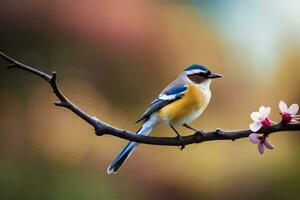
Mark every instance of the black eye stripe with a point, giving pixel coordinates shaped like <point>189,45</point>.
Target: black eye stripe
<point>197,78</point>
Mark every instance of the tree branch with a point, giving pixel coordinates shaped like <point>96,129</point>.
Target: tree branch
<point>101,128</point>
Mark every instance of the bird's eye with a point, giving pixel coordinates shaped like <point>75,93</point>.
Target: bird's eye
<point>197,78</point>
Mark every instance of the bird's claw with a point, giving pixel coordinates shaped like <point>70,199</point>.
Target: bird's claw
<point>179,137</point>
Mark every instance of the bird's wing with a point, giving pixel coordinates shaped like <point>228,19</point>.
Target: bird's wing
<point>166,97</point>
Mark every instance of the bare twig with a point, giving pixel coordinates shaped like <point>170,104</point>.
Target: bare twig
<point>102,128</point>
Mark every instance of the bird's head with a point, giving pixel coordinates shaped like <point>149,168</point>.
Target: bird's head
<point>200,75</point>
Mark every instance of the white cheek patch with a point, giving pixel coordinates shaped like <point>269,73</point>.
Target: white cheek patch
<point>205,85</point>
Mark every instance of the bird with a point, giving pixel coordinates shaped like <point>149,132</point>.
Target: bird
<point>180,103</point>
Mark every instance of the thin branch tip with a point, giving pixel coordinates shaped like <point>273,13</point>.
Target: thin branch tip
<point>60,104</point>
<point>53,77</point>
<point>10,66</point>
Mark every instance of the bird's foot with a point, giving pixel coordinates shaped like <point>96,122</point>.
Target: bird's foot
<point>179,137</point>
<point>189,127</point>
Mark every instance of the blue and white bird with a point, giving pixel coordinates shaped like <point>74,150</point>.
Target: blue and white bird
<point>180,103</point>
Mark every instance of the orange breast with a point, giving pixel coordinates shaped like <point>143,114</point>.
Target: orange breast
<point>191,101</point>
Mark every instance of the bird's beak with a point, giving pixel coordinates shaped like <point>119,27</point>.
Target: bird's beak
<point>213,75</point>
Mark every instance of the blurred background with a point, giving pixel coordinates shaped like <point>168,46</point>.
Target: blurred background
<point>112,59</point>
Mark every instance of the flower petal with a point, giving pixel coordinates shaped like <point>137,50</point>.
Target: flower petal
<point>262,109</point>
<point>283,107</point>
<point>268,144</point>
<point>293,109</point>
<point>255,116</point>
<point>255,126</point>
<point>254,138</point>
<point>266,112</point>
<point>261,148</point>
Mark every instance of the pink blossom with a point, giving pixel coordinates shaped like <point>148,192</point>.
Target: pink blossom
<point>262,142</point>
<point>260,119</point>
<point>288,113</point>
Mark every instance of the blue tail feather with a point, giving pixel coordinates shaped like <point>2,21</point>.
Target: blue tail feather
<point>121,157</point>
<point>128,149</point>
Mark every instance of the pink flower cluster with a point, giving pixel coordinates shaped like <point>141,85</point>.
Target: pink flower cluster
<point>261,119</point>
<point>262,142</point>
